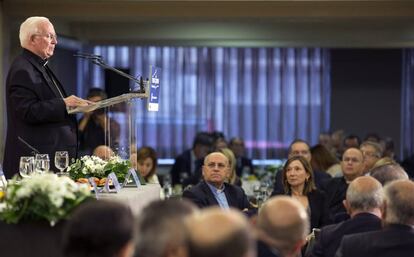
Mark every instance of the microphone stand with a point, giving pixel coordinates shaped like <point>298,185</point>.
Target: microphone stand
<point>97,59</point>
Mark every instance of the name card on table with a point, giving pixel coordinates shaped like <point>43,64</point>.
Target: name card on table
<point>135,178</point>
<point>112,177</point>
<point>94,186</point>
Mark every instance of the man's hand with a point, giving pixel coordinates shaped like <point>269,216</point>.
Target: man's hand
<point>74,101</point>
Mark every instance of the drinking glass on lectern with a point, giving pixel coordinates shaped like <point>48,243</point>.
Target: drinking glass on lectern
<point>42,163</point>
<point>26,166</point>
<point>61,161</point>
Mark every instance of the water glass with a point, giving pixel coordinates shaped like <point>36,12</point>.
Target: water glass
<point>42,163</point>
<point>61,161</point>
<point>26,166</point>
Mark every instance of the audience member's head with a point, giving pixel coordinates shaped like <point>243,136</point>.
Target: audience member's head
<point>104,152</point>
<point>301,148</point>
<point>372,152</point>
<point>283,224</point>
<point>220,143</point>
<point>364,194</point>
<point>352,164</point>
<point>351,141</point>
<point>216,169</point>
<point>373,137</point>
<point>236,144</point>
<point>399,202</point>
<point>337,138</point>
<point>99,229</point>
<point>161,229</point>
<point>232,165</point>
<point>96,94</point>
<point>325,140</point>
<point>389,148</point>
<point>146,161</point>
<point>322,159</point>
<point>297,173</point>
<point>388,172</point>
<point>214,232</point>
<point>202,144</point>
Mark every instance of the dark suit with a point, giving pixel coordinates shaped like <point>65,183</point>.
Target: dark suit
<point>202,196</point>
<point>263,250</point>
<point>244,162</point>
<point>330,236</point>
<point>335,190</point>
<point>181,171</point>
<point>36,112</point>
<point>393,241</point>
<point>318,205</point>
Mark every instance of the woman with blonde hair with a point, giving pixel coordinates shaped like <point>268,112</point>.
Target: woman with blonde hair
<point>232,178</point>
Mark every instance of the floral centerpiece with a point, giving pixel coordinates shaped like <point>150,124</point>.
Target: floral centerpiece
<point>41,197</point>
<point>93,166</point>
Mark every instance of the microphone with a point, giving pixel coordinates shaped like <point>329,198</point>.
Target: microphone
<point>34,150</point>
<point>88,56</point>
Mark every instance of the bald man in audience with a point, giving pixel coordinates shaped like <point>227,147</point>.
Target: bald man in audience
<point>213,190</point>
<point>389,172</point>
<point>282,227</point>
<point>397,236</point>
<point>352,165</point>
<point>217,233</point>
<point>104,152</point>
<point>364,199</point>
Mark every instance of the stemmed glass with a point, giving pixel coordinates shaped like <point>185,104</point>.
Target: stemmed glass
<point>26,166</point>
<point>42,163</point>
<point>61,161</point>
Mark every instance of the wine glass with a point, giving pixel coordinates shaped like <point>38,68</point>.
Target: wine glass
<point>26,166</point>
<point>42,163</point>
<point>61,161</point>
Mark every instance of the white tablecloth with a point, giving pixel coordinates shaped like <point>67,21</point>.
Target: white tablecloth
<point>135,198</point>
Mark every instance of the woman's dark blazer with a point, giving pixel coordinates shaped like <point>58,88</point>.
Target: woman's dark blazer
<point>319,212</point>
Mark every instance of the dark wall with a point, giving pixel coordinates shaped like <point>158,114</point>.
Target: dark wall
<point>366,92</point>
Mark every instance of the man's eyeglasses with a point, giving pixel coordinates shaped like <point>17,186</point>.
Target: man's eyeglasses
<point>49,36</point>
<point>219,165</point>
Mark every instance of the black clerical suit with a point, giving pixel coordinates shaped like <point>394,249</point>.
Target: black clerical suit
<point>36,112</point>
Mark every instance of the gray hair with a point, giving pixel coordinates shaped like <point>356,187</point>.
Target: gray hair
<point>389,172</point>
<point>30,27</point>
<point>379,150</point>
<point>399,198</point>
<point>365,194</point>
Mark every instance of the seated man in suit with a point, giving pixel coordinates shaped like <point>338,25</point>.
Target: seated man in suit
<point>217,233</point>
<point>364,199</point>
<point>244,165</point>
<point>213,190</point>
<point>282,226</point>
<point>352,165</point>
<point>186,168</point>
<point>397,236</point>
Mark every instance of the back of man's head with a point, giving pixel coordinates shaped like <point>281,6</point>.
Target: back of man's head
<point>283,224</point>
<point>389,172</point>
<point>399,202</point>
<point>364,194</point>
<point>161,227</point>
<point>215,232</point>
<point>99,229</point>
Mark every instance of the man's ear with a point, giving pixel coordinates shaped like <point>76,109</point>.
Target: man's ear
<point>127,250</point>
<point>347,206</point>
